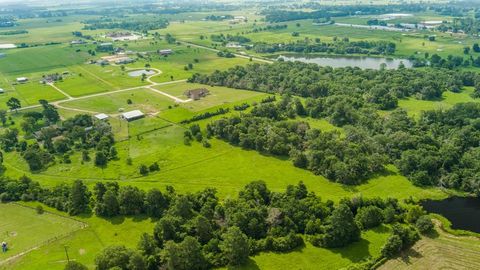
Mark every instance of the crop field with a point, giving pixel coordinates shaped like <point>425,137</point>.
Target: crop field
<point>24,229</point>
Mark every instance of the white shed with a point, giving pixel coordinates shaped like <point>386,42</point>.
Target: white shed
<point>101,116</point>
<point>132,115</point>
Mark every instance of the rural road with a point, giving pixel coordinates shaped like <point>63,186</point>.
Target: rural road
<point>236,54</point>
<point>150,87</point>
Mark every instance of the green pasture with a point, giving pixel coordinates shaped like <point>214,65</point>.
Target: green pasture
<point>218,95</point>
<point>415,106</point>
<point>23,229</point>
<point>83,244</point>
<point>90,79</point>
<point>142,99</point>
<point>32,92</point>
<point>23,62</point>
<point>313,258</point>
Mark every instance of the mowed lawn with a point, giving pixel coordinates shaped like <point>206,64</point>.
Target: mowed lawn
<point>218,95</point>
<point>30,93</point>
<point>90,79</point>
<point>22,228</point>
<point>142,99</point>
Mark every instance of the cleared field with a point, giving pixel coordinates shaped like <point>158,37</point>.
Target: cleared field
<point>218,95</point>
<point>22,62</point>
<point>141,99</point>
<point>442,251</point>
<point>84,244</point>
<point>193,168</point>
<point>23,229</point>
<point>414,106</point>
<point>173,66</point>
<point>32,92</point>
<point>311,257</point>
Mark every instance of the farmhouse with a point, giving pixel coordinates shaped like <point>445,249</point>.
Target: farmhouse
<point>124,60</point>
<point>196,94</point>
<point>101,116</point>
<point>22,80</point>
<point>132,115</point>
<point>50,78</point>
<point>165,52</point>
<point>77,42</point>
<point>105,47</point>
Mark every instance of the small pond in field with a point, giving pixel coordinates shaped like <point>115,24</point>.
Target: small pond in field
<point>138,73</point>
<point>463,212</point>
<point>363,62</point>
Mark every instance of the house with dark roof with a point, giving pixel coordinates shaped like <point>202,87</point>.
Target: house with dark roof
<point>198,93</point>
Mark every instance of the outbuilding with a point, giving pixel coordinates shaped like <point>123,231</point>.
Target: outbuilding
<point>2,91</point>
<point>132,115</point>
<point>22,80</point>
<point>101,116</point>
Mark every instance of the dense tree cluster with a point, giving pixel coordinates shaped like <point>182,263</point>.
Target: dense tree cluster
<point>229,38</point>
<point>219,17</point>
<point>381,87</point>
<point>337,47</point>
<point>278,15</point>
<point>198,231</point>
<point>440,148</point>
<point>132,25</point>
<point>266,130</point>
<point>55,139</point>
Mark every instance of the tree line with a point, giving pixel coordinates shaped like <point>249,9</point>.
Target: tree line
<point>199,231</point>
<point>343,46</point>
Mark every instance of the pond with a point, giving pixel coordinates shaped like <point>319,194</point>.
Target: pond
<point>138,73</point>
<point>463,212</point>
<point>349,61</point>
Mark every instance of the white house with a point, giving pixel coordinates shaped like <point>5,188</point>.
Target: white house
<point>132,115</point>
<point>2,91</point>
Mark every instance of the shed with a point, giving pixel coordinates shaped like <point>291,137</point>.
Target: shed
<point>132,115</point>
<point>165,52</point>
<point>2,91</point>
<point>22,79</point>
<point>101,116</point>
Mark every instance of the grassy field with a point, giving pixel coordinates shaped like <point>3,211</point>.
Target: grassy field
<point>142,99</point>
<point>414,106</point>
<point>23,229</point>
<point>310,257</point>
<point>440,251</point>
<point>83,244</point>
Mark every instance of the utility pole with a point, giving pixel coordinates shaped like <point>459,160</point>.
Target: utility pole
<point>66,253</point>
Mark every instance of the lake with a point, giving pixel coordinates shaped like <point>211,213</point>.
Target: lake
<point>463,212</point>
<point>349,61</point>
